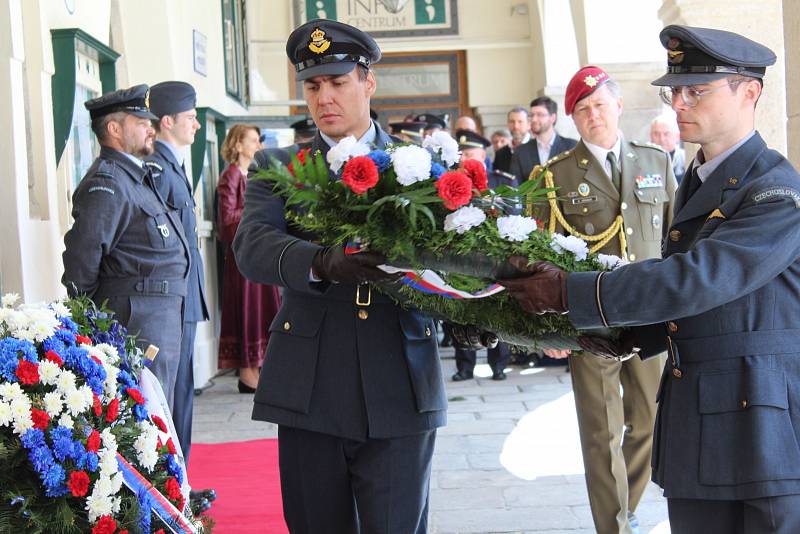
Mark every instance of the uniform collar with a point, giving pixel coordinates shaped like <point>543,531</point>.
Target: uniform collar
<point>601,153</point>
<point>705,168</point>
<point>131,164</point>
<point>178,154</point>
<point>138,162</point>
<point>368,138</point>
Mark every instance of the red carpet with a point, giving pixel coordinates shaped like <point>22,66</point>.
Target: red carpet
<point>245,475</point>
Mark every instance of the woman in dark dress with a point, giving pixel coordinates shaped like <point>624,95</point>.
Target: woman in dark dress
<point>247,308</point>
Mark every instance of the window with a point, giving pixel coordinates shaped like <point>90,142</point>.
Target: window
<point>234,37</point>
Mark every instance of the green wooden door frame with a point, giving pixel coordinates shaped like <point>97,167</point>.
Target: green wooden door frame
<point>199,145</point>
<point>65,43</point>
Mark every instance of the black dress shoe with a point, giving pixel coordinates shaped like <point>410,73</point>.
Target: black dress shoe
<point>199,506</point>
<point>209,494</point>
<point>462,375</point>
<point>499,375</point>
<point>244,388</point>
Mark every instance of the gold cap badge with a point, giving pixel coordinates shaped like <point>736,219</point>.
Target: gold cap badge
<point>590,81</point>
<point>318,44</point>
<point>147,100</point>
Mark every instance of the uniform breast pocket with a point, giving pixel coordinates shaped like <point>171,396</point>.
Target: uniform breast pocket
<point>419,344</point>
<point>652,207</point>
<point>159,229</point>
<point>747,432</point>
<point>583,206</point>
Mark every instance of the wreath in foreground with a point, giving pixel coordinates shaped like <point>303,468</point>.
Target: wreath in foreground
<point>442,226</point>
<point>79,450</point>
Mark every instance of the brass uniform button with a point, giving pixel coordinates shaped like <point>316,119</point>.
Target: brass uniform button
<point>733,181</point>
<point>287,325</point>
<point>744,404</point>
<point>428,331</point>
<point>629,231</point>
<point>585,210</point>
<point>363,314</point>
<point>624,206</point>
<point>675,235</point>
<point>673,326</point>
<point>677,373</point>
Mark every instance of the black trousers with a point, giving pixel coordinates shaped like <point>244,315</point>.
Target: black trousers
<point>337,485</point>
<point>183,402</point>
<point>776,515</point>
<point>497,358</point>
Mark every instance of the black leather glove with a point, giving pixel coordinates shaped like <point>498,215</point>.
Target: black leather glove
<point>543,291</point>
<point>470,337</point>
<point>333,265</point>
<point>619,350</point>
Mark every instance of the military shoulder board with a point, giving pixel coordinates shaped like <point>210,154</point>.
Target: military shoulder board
<point>558,157</point>
<point>647,144</point>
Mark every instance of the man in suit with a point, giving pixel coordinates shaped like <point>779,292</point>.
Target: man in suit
<point>174,102</point>
<point>626,187</point>
<point>545,142</point>
<point>352,380</point>
<point>519,124</point>
<point>722,301</point>
<point>664,132</point>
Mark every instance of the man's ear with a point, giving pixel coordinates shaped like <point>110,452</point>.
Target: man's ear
<point>372,83</point>
<point>752,91</point>
<point>166,122</point>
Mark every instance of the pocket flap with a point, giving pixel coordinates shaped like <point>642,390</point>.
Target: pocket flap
<point>152,209</point>
<point>302,323</point>
<point>652,196</point>
<point>583,205</point>
<point>739,390</point>
<point>416,326</point>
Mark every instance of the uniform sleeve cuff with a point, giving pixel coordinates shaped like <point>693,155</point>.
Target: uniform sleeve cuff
<point>295,265</point>
<point>582,302</point>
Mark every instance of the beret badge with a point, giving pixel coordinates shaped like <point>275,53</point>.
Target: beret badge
<point>318,44</point>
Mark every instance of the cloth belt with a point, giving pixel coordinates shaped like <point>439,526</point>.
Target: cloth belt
<point>737,345</point>
<point>122,287</point>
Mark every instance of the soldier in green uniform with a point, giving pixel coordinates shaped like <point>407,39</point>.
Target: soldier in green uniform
<point>617,195</point>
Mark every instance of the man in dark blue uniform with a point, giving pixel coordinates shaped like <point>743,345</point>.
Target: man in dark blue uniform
<point>174,103</point>
<point>126,246</point>
<point>723,301</point>
<point>352,380</point>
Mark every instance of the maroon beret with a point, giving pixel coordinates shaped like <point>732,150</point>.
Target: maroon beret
<point>585,82</point>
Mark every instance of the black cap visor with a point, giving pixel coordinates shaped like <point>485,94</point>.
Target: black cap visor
<point>331,65</point>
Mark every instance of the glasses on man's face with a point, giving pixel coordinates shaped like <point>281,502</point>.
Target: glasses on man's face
<point>689,93</point>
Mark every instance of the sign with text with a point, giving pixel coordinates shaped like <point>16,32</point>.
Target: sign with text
<point>385,18</point>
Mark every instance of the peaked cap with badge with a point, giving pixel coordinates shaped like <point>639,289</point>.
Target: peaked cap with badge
<point>470,139</point>
<point>412,129</point>
<point>170,98</point>
<point>702,55</point>
<point>583,83</point>
<point>304,127</point>
<point>322,47</point>
<point>134,100</point>
<point>432,120</point>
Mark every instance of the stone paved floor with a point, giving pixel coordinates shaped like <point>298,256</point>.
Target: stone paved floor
<point>507,462</point>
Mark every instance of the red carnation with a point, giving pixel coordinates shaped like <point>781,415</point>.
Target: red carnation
<point>180,503</point>
<point>301,157</point>
<point>53,356</point>
<point>79,484</point>
<point>159,531</point>
<point>360,174</point>
<point>122,532</point>
<point>455,188</point>
<point>162,426</point>
<point>173,488</point>
<point>96,406</point>
<point>82,339</point>
<point>135,394</point>
<point>476,171</point>
<point>27,372</point>
<point>40,419</point>
<point>171,447</point>
<point>106,525</point>
<point>93,441</point>
<point>113,410</point>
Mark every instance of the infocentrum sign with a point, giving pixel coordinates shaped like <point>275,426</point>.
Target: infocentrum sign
<point>385,18</point>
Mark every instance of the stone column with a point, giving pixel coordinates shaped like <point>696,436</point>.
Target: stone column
<point>761,21</point>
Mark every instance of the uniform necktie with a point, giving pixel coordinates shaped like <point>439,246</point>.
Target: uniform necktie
<point>694,182</point>
<point>615,177</point>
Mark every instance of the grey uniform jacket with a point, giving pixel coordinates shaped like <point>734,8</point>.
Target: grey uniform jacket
<point>725,303</point>
<point>173,185</point>
<point>526,156</point>
<point>128,248</point>
<point>329,368</point>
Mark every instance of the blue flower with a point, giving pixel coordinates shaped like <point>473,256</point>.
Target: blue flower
<point>41,458</point>
<point>437,170</point>
<point>54,481</point>
<point>33,438</point>
<point>125,378</point>
<point>63,444</point>
<point>55,344</point>
<point>69,324</point>
<point>381,159</point>
<point>140,412</point>
<point>145,509</point>
<point>92,461</point>
<point>174,468</point>
<point>10,351</point>
<point>66,336</point>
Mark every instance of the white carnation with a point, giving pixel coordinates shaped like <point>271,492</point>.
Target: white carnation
<point>20,408</point>
<point>463,219</point>
<point>98,506</point>
<point>22,424</point>
<point>11,391</point>
<point>66,421</point>
<point>5,414</point>
<point>112,355</point>
<point>65,382</point>
<point>145,445</point>
<point>75,402</point>
<point>108,461</point>
<point>515,227</point>
<point>53,403</point>
<point>103,486</point>
<point>8,300</point>
<point>610,261</point>
<point>110,384</point>
<point>411,164</point>
<point>443,144</point>
<point>109,440</point>
<point>48,372</point>
<point>347,148</point>
<point>60,309</point>
<point>570,243</point>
